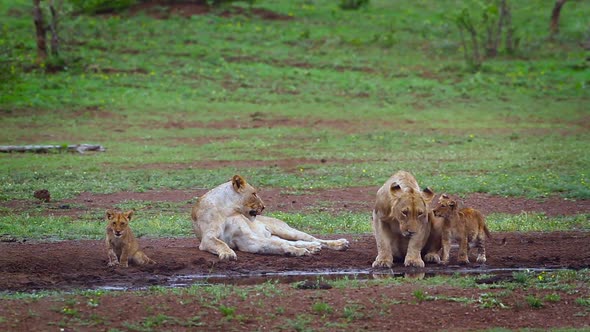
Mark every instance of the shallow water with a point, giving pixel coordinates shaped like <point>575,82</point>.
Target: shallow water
<point>326,275</point>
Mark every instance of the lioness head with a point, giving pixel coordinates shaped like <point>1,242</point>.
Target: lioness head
<point>251,205</point>
<point>119,221</point>
<point>410,208</point>
<point>445,207</point>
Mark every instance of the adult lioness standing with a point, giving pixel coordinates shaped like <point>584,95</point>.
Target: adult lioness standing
<point>228,217</point>
<point>401,222</point>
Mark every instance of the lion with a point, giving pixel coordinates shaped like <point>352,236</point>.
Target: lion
<point>466,226</point>
<point>122,246</point>
<point>227,218</point>
<point>402,223</point>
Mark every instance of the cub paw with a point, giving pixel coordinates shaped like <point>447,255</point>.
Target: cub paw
<point>415,262</point>
<point>481,259</point>
<point>113,264</point>
<point>432,258</point>
<point>463,261</point>
<point>228,256</point>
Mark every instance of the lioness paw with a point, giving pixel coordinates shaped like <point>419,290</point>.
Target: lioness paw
<point>228,256</point>
<point>415,262</point>
<point>340,244</point>
<point>294,251</point>
<point>382,263</point>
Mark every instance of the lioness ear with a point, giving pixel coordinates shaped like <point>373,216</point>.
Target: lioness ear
<point>428,194</point>
<point>395,188</point>
<point>238,183</point>
<point>128,214</point>
<point>110,214</point>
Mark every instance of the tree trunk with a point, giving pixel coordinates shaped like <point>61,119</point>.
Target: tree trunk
<point>40,31</point>
<point>555,16</point>
<point>53,27</point>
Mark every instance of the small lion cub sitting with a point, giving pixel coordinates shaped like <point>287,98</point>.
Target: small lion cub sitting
<point>122,245</point>
<point>466,226</point>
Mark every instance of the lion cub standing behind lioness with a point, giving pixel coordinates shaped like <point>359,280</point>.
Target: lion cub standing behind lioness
<point>122,245</point>
<point>464,225</point>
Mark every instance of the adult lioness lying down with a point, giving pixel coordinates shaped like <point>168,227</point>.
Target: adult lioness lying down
<point>228,217</point>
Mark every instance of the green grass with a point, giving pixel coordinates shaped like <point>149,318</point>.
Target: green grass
<point>371,91</point>
<point>154,223</point>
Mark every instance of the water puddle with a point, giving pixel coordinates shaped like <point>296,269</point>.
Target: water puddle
<point>495,274</point>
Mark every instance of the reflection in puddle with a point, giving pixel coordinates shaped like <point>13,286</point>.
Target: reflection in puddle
<point>327,275</point>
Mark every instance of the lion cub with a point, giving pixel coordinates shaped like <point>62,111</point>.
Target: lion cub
<point>465,225</point>
<point>122,245</point>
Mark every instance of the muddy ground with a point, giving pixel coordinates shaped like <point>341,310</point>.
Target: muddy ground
<point>31,266</point>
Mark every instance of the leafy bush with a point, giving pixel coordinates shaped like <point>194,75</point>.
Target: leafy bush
<point>101,6</point>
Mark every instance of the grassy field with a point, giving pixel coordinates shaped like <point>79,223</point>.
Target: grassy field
<point>380,89</point>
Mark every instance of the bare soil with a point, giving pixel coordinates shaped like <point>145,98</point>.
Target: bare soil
<point>30,266</point>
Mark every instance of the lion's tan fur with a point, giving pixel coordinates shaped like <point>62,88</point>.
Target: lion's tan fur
<point>402,223</point>
<point>228,217</point>
<point>464,225</point>
<point>122,246</point>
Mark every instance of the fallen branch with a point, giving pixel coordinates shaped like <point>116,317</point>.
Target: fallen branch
<point>80,148</point>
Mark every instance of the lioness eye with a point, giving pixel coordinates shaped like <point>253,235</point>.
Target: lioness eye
<point>114,223</point>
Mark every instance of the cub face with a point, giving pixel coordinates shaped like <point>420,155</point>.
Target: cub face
<point>252,205</point>
<point>118,222</point>
<point>410,209</point>
<point>445,207</point>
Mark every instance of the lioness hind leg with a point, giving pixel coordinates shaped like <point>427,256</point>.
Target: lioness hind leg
<point>272,245</point>
<point>280,228</point>
<point>313,247</point>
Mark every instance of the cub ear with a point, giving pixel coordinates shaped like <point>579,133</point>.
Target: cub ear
<point>395,188</point>
<point>238,183</point>
<point>428,194</point>
<point>445,196</point>
<point>110,214</point>
<point>452,204</point>
<point>128,214</point>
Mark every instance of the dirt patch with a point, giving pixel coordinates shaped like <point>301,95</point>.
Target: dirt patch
<point>33,266</point>
<point>337,200</point>
<point>83,264</point>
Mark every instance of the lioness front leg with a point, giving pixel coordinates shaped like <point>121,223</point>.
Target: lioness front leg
<point>413,256</point>
<point>217,247</point>
<point>384,238</point>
